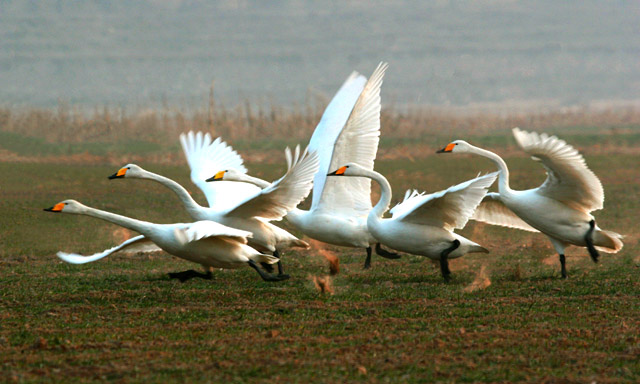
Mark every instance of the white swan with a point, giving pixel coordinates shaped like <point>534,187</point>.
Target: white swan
<point>423,224</point>
<point>207,243</point>
<point>348,131</point>
<point>560,208</point>
<point>253,212</point>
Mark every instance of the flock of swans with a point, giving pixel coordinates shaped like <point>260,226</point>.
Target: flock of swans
<point>237,229</point>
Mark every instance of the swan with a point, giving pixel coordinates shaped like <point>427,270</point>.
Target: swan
<point>349,130</point>
<point>560,208</point>
<point>423,224</point>
<point>255,210</point>
<point>207,243</point>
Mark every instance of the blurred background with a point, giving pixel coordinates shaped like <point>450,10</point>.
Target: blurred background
<point>486,54</point>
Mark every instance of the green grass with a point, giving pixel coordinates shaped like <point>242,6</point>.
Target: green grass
<point>121,318</point>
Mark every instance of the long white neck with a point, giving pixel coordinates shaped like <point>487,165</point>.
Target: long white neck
<point>503,178</point>
<point>194,209</point>
<point>254,180</point>
<point>385,194</point>
<point>140,226</point>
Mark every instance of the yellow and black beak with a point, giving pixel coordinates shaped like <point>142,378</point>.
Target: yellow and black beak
<point>56,208</point>
<point>121,172</point>
<point>446,149</point>
<point>217,177</point>
<point>339,172</point>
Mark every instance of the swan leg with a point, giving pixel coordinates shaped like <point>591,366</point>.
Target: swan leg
<point>190,274</point>
<point>280,269</point>
<point>384,253</point>
<point>444,260</point>
<point>588,238</point>
<point>265,276</point>
<point>367,261</point>
<point>560,247</point>
<point>563,268</point>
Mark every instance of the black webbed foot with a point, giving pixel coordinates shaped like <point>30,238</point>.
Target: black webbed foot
<point>190,274</point>
<point>588,238</point>
<point>367,261</point>
<point>444,260</point>
<point>386,254</point>
<point>563,267</point>
<point>267,276</point>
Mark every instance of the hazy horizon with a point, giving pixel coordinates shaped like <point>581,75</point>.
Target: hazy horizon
<point>442,53</point>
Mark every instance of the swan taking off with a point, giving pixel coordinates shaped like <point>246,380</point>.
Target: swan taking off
<point>207,243</point>
<point>560,208</point>
<point>423,224</point>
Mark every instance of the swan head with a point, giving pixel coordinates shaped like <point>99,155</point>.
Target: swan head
<point>67,206</point>
<point>228,175</point>
<point>457,146</point>
<point>350,169</point>
<point>129,170</point>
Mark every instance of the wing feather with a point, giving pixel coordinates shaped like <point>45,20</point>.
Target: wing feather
<point>569,180</point>
<point>199,230</point>
<point>492,211</point>
<point>133,245</point>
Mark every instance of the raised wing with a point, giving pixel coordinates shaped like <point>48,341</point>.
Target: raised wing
<point>492,211</point>
<point>448,209</point>
<point>328,129</point>
<point>357,143</point>
<point>205,158</point>
<point>273,202</point>
<point>569,180</point>
<point>133,245</point>
<point>205,229</point>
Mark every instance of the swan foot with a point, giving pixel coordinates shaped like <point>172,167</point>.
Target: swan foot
<point>367,261</point>
<point>386,254</point>
<point>280,269</point>
<point>563,266</point>
<point>190,274</point>
<point>267,267</point>
<point>588,238</point>
<point>267,276</point>
<point>444,260</point>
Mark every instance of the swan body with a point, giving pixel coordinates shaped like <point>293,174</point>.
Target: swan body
<point>207,243</point>
<point>423,224</point>
<point>560,208</point>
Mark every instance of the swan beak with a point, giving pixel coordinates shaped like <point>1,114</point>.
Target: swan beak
<point>118,174</point>
<point>56,208</point>
<point>446,149</point>
<point>217,177</point>
<point>338,172</point>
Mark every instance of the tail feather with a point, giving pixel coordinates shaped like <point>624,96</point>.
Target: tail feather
<point>478,249</point>
<point>299,244</point>
<point>262,258</point>
<point>607,241</point>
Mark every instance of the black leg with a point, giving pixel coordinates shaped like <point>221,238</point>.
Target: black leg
<point>386,254</point>
<point>563,266</point>
<point>367,261</point>
<point>588,238</point>
<point>267,267</point>
<point>280,269</point>
<point>265,276</point>
<point>190,274</point>
<point>444,260</point>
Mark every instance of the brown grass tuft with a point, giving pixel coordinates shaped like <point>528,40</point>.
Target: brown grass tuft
<point>319,248</point>
<point>323,284</point>
<point>481,281</point>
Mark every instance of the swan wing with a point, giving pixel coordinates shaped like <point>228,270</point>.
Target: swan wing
<point>492,211</point>
<point>199,230</point>
<point>206,157</point>
<point>447,209</point>
<point>273,202</point>
<point>328,129</point>
<point>133,245</point>
<point>569,180</point>
<point>357,143</point>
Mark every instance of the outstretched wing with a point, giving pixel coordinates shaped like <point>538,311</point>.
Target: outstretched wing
<point>199,230</point>
<point>448,209</point>
<point>205,158</point>
<point>273,202</point>
<point>569,180</point>
<point>492,211</point>
<point>133,245</point>
<point>328,129</point>
<point>357,143</point>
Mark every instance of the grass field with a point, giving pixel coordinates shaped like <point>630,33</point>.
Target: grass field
<point>505,316</point>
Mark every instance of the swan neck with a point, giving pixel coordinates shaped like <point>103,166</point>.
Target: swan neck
<point>503,177</point>
<point>192,207</point>
<point>385,194</point>
<point>139,226</point>
<point>256,181</point>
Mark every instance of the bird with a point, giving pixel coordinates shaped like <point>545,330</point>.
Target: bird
<point>559,208</point>
<point>253,212</point>
<point>205,242</point>
<point>423,224</point>
<point>349,130</point>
